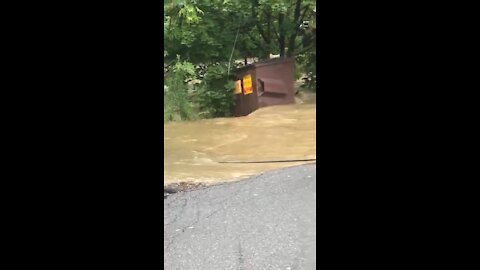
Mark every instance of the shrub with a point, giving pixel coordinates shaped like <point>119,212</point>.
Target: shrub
<point>176,104</point>
<point>215,96</point>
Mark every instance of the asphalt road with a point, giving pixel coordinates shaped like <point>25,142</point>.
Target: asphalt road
<point>265,222</point>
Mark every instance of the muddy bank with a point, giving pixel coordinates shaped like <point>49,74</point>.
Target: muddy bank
<point>173,188</point>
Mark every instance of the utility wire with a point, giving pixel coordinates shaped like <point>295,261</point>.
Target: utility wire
<point>270,161</point>
<point>233,49</point>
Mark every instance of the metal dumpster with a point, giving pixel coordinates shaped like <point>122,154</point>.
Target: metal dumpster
<point>264,83</point>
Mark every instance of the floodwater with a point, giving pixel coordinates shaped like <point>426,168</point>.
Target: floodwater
<point>193,150</point>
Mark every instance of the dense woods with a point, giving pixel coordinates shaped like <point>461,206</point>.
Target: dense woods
<point>205,40</point>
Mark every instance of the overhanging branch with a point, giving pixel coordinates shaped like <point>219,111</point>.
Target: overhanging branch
<point>305,49</point>
<point>258,25</point>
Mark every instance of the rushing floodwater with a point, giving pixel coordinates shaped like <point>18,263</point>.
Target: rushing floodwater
<point>193,149</point>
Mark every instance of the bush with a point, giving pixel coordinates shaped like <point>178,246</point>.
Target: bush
<point>215,96</point>
<point>307,66</point>
<point>183,101</point>
<point>176,104</point>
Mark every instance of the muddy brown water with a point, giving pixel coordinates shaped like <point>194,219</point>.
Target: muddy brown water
<point>193,150</point>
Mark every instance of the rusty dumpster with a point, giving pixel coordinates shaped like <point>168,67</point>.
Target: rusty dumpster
<point>264,83</point>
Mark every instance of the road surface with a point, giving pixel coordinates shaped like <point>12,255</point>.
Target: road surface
<point>265,222</point>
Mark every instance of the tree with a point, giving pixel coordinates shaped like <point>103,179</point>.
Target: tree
<point>278,22</point>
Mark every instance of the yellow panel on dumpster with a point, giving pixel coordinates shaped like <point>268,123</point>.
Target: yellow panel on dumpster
<point>238,87</point>
<point>247,84</point>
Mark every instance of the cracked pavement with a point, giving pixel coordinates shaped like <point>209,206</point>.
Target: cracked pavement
<point>264,222</point>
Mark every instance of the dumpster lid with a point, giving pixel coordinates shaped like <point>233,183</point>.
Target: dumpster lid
<point>268,62</point>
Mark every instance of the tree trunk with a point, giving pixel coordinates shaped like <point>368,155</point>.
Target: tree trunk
<point>296,17</point>
<point>281,34</point>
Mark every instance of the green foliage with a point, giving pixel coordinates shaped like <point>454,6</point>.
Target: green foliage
<point>215,96</point>
<point>182,101</point>
<point>203,32</point>
<point>176,104</point>
<point>307,67</point>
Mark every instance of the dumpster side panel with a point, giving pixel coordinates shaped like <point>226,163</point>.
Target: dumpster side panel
<point>277,79</point>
